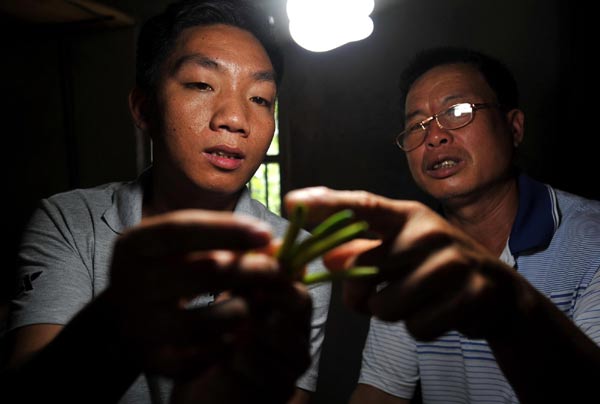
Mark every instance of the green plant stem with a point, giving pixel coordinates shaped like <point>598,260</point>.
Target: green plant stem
<point>324,244</point>
<point>356,272</point>
<point>286,250</point>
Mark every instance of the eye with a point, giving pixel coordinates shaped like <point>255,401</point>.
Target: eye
<point>199,86</point>
<point>261,101</point>
<point>418,127</point>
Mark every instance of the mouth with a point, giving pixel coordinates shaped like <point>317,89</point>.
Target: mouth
<point>447,163</point>
<point>227,155</point>
<point>224,157</point>
<point>444,166</point>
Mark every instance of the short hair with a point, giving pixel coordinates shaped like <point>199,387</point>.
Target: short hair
<point>159,34</point>
<point>496,74</point>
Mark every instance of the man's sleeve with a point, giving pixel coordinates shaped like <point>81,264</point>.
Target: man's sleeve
<point>53,282</point>
<point>321,295</point>
<point>389,360</point>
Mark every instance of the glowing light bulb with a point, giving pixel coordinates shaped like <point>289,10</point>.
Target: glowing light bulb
<point>322,25</point>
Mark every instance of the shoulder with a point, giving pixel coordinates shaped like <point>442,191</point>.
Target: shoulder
<point>248,206</point>
<point>76,208</point>
<point>578,213</point>
<point>576,241</point>
<point>91,197</point>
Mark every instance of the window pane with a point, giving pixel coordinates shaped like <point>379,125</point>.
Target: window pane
<point>274,147</point>
<point>265,186</point>
<point>258,186</point>
<point>274,187</point>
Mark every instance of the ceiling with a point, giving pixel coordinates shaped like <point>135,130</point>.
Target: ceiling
<point>63,12</point>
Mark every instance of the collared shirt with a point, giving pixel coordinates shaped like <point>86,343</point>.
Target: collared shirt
<point>555,245</point>
<point>65,259</point>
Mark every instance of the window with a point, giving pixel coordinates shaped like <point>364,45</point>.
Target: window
<point>265,186</point>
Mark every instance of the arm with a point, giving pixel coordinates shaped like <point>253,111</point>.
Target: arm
<point>54,284</point>
<point>138,322</point>
<point>300,397</point>
<point>369,394</point>
<point>28,340</point>
<point>440,279</point>
<point>546,357</point>
<point>65,363</point>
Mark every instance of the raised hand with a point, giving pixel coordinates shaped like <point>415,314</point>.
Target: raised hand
<point>432,275</point>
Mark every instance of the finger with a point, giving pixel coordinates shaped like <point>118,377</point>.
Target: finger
<point>437,281</point>
<point>184,276</point>
<point>344,256</point>
<point>182,362</point>
<point>217,323</point>
<point>394,265</point>
<point>385,216</point>
<point>358,292</point>
<point>170,278</point>
<point>268,301</point>
<point>220,321</point>
<point>400,221</point>
<point>276,347</point>
<point>191,230</point>
<point>464,311</point>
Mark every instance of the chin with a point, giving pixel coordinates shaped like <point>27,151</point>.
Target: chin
<point>445,194</point>
<point>223,189</point>
<point>217,185</point>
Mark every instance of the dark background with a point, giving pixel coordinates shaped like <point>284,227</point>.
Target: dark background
<point>65,121</point>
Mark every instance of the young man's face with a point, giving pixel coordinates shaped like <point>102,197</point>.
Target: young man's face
<point>458,164</point>
<point>216,104</point>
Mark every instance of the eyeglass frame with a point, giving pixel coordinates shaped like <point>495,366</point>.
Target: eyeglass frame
<point>424,124</point>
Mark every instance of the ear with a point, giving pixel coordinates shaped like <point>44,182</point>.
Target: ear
<point>516,122</point>
<point>138,107</point>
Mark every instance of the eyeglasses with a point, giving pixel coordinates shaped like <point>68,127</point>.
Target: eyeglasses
<point>455,117</point>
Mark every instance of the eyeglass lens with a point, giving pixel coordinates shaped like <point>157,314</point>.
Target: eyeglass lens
<point>453,118</point>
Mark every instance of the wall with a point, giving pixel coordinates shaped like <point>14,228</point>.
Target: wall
<point>65,120</point>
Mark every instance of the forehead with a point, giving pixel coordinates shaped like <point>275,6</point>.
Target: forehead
<point>224,44</point>
<point>446,83</point>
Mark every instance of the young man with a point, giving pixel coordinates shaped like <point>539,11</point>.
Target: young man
<point>513,316</point>
<point>108,322</point>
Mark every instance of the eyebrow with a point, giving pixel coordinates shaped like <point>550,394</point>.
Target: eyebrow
<point>196,59</point>
<point>208,63</point>
<point>418,111</point>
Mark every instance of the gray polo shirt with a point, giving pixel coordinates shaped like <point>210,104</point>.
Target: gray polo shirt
<point>65,257</point>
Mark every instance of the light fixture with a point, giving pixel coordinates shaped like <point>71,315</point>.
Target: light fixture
<point>322,25</point>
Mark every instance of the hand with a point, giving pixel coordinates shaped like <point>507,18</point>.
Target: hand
<point>271,353</point>
<point>432,275</point>
<point>158,266</point>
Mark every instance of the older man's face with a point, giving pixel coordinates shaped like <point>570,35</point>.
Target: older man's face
<point>456,165</point>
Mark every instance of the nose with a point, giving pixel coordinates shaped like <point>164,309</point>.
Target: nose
<point>230,114</point>
<point>437,136</point>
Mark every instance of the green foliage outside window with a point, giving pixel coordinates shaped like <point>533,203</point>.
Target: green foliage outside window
<point>265,186</point>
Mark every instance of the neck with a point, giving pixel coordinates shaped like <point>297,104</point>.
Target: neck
<point>489,217</point>
<point>167,195</point>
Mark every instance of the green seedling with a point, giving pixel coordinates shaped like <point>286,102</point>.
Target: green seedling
<point>355,272</point>
<point>288,247</point>
<point>337,229</point>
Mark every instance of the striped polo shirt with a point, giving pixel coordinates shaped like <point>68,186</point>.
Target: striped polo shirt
<point>555,245</point>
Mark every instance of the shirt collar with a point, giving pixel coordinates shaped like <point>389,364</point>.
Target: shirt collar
<point>244,204</point>
<point>537,216</point>
<point>126,208</point>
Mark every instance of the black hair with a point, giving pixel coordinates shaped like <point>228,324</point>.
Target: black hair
<point>159,34</point>
<point>497,75</point>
